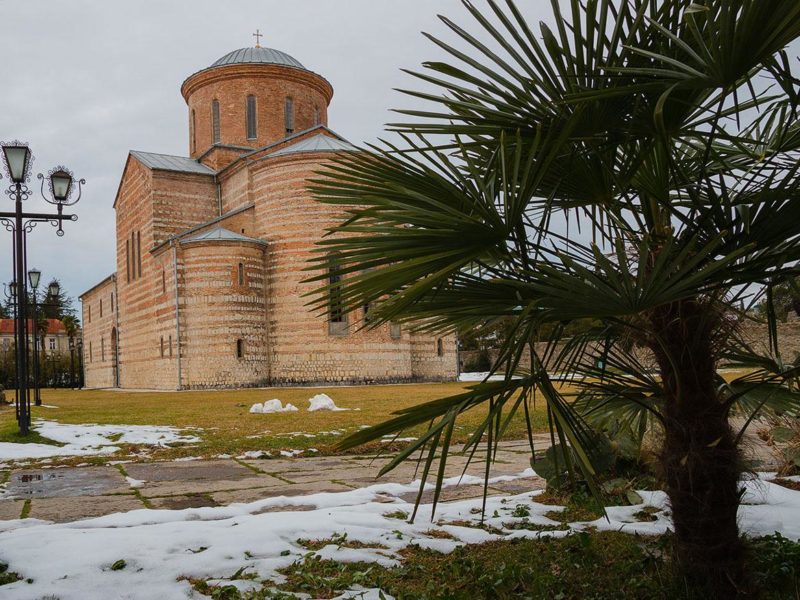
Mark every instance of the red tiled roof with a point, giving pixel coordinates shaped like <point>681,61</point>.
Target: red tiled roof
<point>54,326</point>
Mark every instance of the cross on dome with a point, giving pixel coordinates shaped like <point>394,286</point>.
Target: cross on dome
<point>258,35</point>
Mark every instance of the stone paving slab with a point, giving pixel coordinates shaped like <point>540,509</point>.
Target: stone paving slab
<point>205,486</point>
<point>520,486</point>
<point>461,492</point>
<point>11,509</point>
<point>181,502</point>
<point>300,489</point>
<point>329,475</point>
<point>65,482</point>
<point>188,470</point>
<point>74,508</point>
<point>68,494</point>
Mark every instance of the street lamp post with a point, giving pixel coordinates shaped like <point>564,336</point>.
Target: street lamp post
<point>34,275</point>
<point>18,159</point>
<point>53,291</point>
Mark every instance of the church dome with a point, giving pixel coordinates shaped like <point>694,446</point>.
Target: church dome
<point>258,55</point>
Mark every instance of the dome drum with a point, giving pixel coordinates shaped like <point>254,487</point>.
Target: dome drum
<point>251,98</point>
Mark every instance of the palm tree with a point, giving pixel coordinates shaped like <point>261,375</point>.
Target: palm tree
<point>667,134</point>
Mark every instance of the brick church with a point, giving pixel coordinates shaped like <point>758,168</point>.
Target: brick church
<point>211,250</point>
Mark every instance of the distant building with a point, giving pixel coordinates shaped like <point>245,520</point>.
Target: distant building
<point>211,250</point>
<point>56,340</point>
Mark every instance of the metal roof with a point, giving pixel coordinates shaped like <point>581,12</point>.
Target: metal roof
<point>166,162</point>
<point>258,55</point>
<point>221,234</point>
<point>316,143</point>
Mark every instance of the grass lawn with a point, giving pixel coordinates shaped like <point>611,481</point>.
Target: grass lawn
<point>229,428</point>
<point>588,565</point>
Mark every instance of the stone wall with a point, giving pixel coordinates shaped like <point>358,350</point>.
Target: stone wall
<point>304,350</point>
<point>788,337</point>
<point>221,317</point>
<point>98,316</point>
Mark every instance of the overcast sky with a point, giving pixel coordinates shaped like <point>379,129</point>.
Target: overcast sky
<point>85,81</point>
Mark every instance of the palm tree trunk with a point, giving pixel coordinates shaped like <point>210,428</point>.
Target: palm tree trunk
<point>700,458</point>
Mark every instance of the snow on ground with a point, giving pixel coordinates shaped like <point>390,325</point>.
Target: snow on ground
<point>272,406</point>
<point>323,402</point>
<point>318,402</point>
<point>476,376</point>
<point>85,440</point>
<point>73,560</point>
<point>135,483</point>
<point>499,376</point>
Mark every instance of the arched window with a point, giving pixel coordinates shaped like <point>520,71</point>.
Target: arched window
<point>289,115</point>
<point>101,308</point>
<point>192,134</point>
<point>317,116</point>
<point>439,347</point>
<point>215,130</point>
<point>239,348</point>
<point>112,302</point>
<point>252,132</point>
<point>162,346</point>
<point>240,274</point>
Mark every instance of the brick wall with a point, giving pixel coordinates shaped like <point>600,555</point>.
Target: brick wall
<point>218,310</point>
<point>271,85</point>
<point>99,330</point>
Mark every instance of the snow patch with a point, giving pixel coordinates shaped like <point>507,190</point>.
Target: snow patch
<point>92,440</point>
<point>135,483</point>
<point>71,560</point>
<point>272,406</point>
<point>323,402</point>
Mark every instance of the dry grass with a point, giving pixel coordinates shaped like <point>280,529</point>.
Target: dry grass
<point>229,428</point>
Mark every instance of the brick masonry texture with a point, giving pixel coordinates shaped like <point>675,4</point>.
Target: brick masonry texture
<point>184,316</point>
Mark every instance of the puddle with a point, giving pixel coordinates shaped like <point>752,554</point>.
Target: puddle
<point>70,481</point>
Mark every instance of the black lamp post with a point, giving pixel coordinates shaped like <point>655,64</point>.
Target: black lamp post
<point>34,276</point>
<point>18,159</point>
<point>53,290</point>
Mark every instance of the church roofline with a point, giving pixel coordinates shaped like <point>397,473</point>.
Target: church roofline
<point>221,234</point>
<point>97,285</point>
<point>170,162</point>
<point>288,141</point>
<point>196,228</point>
<point>213,147</point>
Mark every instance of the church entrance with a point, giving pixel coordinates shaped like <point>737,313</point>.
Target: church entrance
<point>115,357</point>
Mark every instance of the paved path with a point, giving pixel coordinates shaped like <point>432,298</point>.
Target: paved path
<point>72,493</point>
